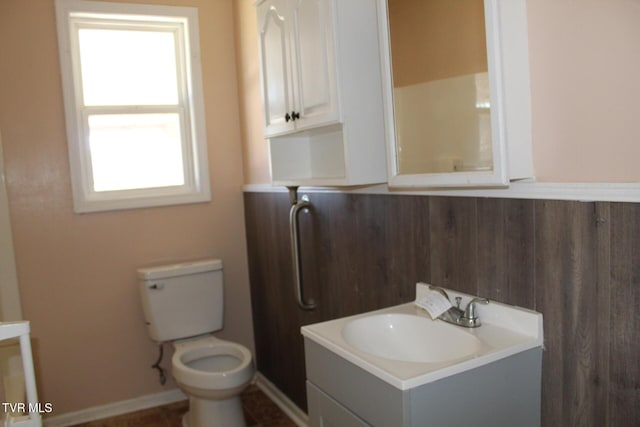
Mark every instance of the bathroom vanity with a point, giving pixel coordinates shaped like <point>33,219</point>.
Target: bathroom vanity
<point>397,367</point>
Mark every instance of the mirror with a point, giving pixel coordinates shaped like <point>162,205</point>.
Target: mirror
<point>446,91</point>
<point>440,85</point>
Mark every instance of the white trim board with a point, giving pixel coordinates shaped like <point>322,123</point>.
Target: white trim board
<point>586,192</point>
<point>296,414</point>
<point>115,409</point>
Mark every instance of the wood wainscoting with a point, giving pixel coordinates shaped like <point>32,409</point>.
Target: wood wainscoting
<point>576,262</point>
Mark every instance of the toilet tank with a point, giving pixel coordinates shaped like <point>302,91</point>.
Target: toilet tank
<point>182,300</point>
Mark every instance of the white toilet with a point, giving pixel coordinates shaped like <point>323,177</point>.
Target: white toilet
<point>183,303</point>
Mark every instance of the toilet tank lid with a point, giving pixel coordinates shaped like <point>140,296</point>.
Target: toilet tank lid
<point>179,269</point>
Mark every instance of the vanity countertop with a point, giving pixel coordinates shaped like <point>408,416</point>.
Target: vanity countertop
<point>506,330</point>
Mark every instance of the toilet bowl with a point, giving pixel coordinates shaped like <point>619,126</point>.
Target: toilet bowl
<point>213,373</point>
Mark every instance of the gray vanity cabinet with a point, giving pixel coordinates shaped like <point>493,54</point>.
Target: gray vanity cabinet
<point>504,393</point>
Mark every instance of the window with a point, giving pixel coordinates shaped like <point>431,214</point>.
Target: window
<point>133,102</point>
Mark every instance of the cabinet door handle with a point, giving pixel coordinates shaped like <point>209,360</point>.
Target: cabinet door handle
<point>287,117</point>
<point>294,115</point>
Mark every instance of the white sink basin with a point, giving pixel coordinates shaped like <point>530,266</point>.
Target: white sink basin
<point>409,338</point>
<point>403,346</point>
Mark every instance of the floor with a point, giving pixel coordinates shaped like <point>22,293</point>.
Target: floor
<point>259,411</point>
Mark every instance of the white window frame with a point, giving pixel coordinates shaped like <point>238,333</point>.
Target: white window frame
<point>72,13</point>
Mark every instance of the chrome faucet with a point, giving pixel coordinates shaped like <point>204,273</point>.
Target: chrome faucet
<point>467,318</point>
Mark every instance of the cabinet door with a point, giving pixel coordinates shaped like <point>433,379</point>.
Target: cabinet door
<point>326,412</point>
<point>314,62</point>
<point>274,22</point>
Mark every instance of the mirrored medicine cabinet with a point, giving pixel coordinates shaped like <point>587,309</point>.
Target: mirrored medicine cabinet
<point>456,90</point>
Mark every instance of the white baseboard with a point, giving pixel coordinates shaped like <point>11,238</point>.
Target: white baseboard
<point>115,409</point>
<point>288,407</point>
<point>152,400</point>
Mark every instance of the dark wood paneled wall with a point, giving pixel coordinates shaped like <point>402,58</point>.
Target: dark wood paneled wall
<point>577,263</point>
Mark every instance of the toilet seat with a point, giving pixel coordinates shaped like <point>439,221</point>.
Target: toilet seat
<point>219,364</point>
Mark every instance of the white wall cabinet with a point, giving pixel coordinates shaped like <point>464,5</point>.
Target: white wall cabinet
<point>296,42</point>
<point>322,91</point>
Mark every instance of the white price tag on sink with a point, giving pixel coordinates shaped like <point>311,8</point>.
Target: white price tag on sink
<point>435,303</point>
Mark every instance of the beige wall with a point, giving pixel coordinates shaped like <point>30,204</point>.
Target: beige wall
<point>436,39</point>
<point>584,62</point>
<point>77,272</point>
<point>255,148</point>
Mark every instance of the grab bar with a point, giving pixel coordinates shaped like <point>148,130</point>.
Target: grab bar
<point>296,206</point>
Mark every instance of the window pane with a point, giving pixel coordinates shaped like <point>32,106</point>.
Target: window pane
<point>125,67</point>
<point>130,151</point>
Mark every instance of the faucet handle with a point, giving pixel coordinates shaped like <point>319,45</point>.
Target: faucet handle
<point>470,311</point>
